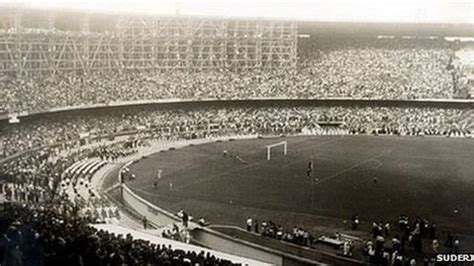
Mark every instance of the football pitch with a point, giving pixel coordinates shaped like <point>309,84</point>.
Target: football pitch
<point>417,176</point>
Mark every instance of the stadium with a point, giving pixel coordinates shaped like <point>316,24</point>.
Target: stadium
<point>141,139</point>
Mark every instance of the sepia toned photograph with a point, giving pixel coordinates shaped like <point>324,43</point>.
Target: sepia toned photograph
<point>236,132</point>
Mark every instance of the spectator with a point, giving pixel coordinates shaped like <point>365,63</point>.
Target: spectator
<point>249,224</point>
<point>435,246</point>
<point>355,222</point>
<point>185,219</point>
<point>145,222</point>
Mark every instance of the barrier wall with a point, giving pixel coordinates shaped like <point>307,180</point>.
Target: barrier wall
<point>162,218</point>
<point>222,242</point>
<point>154,214</point>
<point>119,230</point>
<point>218,241</point>
<point>204,236</point>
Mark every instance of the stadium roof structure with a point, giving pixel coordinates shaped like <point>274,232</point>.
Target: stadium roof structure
<point>32,40</point>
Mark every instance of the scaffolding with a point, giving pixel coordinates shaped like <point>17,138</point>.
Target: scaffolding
<point>51,44</point>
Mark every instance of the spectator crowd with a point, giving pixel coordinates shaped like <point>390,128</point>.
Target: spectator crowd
<point>46,224</point>
<point>204,121</point>
<point>408,242</point>
<point>52,234</point>
<point>368,68</point>
<point>405,243</point>
<point>296,235</point>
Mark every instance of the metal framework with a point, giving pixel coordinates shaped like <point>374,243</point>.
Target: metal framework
<point>142,43</point>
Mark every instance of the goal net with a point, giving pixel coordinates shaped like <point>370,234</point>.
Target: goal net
<point>276,146</point>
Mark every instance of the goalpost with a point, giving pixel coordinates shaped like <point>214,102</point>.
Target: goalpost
<point>269,148</point>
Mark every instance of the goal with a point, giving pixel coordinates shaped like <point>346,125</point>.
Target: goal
<point>269,148</point>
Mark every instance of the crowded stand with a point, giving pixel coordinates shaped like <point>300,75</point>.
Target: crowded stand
<point>58,208</point>
<point>58,172</point>
<point>53,234</point>
<point>358,69</point>
<point>38,174</point>
<point>97,209</point>
<point>382,68</point>
<point>112,152</point>
<point>263,120</point>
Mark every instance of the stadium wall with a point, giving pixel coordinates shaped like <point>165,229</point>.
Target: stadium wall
<point>155,214</point>
<point>210,238</point>
<point>207,238</point>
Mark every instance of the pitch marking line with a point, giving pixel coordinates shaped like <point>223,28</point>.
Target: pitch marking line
<point>373,158</point>
<point>248,166</point>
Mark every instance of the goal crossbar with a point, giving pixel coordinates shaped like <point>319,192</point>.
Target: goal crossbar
<point>269,147</point>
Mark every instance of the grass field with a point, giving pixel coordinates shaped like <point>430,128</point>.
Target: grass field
<point>428,177</point>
